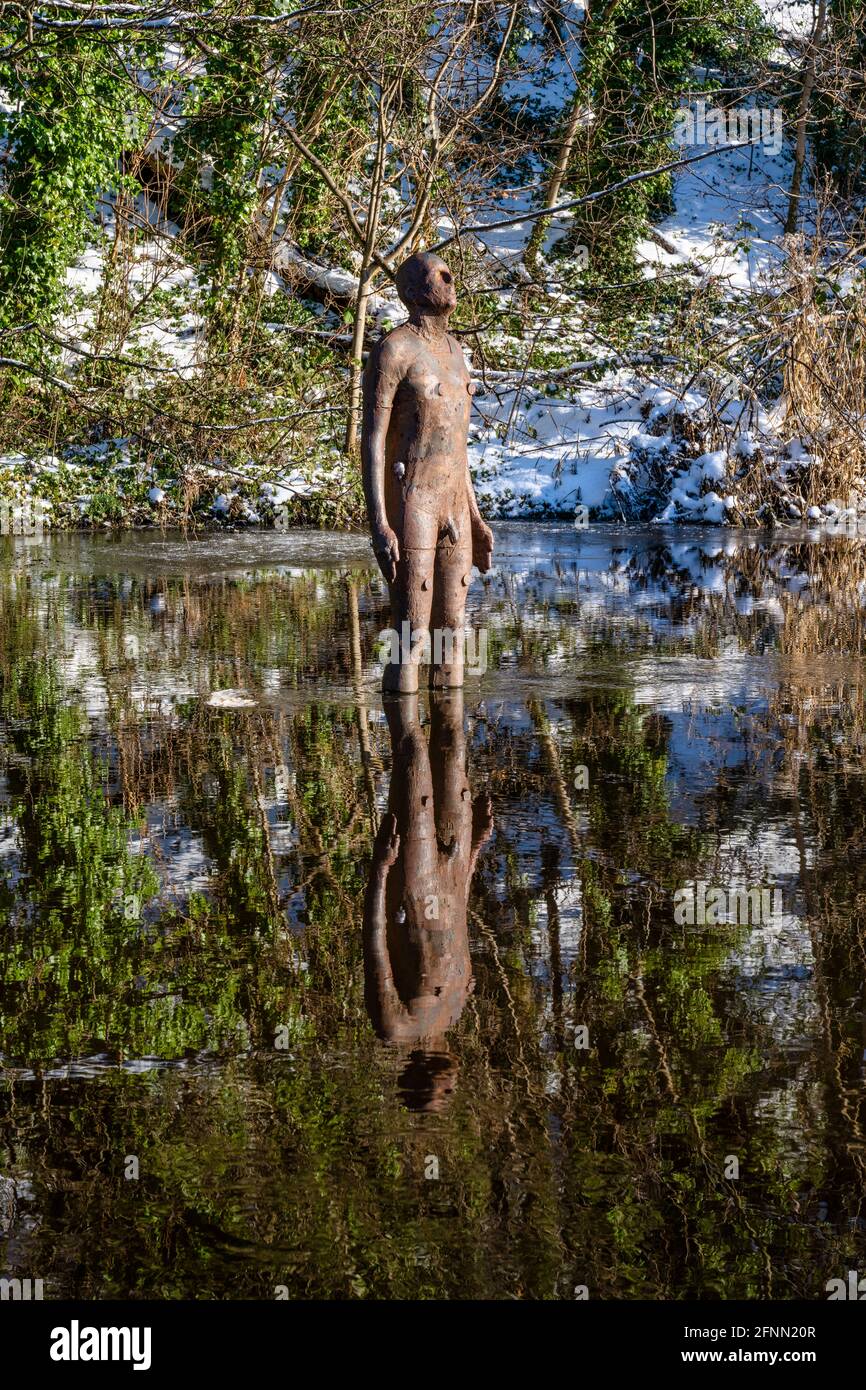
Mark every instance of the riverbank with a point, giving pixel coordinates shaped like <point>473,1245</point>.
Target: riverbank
<point>667,463</point>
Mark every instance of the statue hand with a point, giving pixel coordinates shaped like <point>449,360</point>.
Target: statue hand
<point>482,545</point>
<point>386,548</point>
<point>482,818</point>
<point>387,845</point>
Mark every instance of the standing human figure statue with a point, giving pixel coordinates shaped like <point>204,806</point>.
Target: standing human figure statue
<point>417,965</point>
<point>427,531</point>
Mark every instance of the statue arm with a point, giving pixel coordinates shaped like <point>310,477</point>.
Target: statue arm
<point>482,536</point>
<point>383,1001</point>
<point>381,380</point>
<point>482,829</point>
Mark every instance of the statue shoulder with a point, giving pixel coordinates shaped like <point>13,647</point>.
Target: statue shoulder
<point>394,351</point>
<point>456,346</point>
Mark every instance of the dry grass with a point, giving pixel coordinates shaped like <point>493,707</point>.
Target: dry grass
<point>824,375</point>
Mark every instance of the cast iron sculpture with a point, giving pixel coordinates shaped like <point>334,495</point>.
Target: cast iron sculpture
<point>417,967</point>
<point>426,527</point>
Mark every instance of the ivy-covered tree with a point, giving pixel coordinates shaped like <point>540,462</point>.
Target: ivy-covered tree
<point>639,58</point>
<point>69,112</point>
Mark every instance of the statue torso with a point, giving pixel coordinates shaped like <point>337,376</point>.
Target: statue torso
<point>429,416</point>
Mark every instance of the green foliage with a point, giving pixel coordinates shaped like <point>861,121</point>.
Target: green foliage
<point>70,115</point>
<point>637,63</point>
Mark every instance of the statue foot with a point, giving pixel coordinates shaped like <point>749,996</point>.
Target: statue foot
<point>446,677</point>
<point>400,679</point>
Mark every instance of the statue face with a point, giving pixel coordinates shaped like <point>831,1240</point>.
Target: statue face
<point>425,282</point>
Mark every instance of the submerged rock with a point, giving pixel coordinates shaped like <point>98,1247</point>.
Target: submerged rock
<point>231,699</point>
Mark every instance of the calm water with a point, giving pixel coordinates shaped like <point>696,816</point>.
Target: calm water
<point>357,1001</point>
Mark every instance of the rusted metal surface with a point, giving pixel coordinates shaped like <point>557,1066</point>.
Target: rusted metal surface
<point>427,531</point>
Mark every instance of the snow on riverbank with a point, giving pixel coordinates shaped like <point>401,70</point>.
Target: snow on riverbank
<point>627,442</point>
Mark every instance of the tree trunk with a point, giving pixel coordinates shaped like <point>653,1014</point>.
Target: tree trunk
<point>551,192</point>
<point>366,277</point>
<point>803,105</point>
<point>356,365</point>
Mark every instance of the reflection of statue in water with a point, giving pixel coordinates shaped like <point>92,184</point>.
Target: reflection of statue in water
<point>426,527</point>
<point>417,969</point>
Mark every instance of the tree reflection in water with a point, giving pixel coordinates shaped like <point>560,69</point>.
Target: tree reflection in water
<point>201,937</point>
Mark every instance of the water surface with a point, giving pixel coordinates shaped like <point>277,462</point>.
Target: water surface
<point>346,1001</point>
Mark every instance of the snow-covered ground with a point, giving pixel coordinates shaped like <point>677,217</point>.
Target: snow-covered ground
<point>626,439</point>
<point>536,448</point>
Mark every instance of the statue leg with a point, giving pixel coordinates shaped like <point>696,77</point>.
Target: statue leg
<point>451,794</point>
<point>451,580</point>
<point>411,602</point>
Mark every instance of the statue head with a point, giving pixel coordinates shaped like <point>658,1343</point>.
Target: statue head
<point>425,283</point>
<point>429,1079</point>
